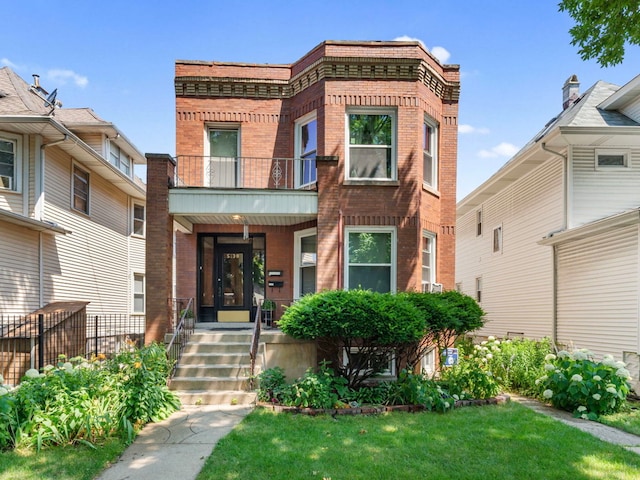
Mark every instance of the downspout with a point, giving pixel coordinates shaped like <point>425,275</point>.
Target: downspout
<point>39,213</point>
<point>554,320</point>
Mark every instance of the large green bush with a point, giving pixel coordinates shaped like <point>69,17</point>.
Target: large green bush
<point>369,327</point>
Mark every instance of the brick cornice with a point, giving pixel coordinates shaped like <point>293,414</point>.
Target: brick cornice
<point>327,68</point>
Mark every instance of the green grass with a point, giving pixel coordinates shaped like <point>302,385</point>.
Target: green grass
<point>492,442</point>
<point>59,463</point>
<point>628,419</point>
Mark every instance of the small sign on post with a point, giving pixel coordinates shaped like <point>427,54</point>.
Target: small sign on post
<point>450,356</point>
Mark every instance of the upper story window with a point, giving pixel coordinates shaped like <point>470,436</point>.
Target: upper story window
<point>9,148</point>
<point>478,223</point>
<point>497,239</point>
<point>371,142</point>
<point>430,153</point>
<point>120,159</point>
<point>138,220</point>
<point>80,190</point>
<point>306,140</point>
<point>222,167</point>
<point>608,158</point>
<point>479,289</point>
<point>371,258</point>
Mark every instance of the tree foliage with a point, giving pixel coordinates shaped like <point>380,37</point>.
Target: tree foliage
<point>603,27</point>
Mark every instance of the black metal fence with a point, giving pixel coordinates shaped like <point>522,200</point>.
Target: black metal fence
<point>33,341</point>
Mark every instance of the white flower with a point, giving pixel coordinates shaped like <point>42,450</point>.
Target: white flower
<point>3,391</point>
<point>477,347</point>
<point>541,379</point>
<point>549,367</point>
<point>582,408</point>
<point>597,378</point>
<point>579,355</point>
<point>563,354</point>
<point>584,416</point>
<point>67,366</point>
<point>495,349</point>
<point>484,342</point>
<point>613,390</point>
<point>446,405</point>
<point>456,397</point>
<point>550,357</point>
<point>489,356</point>
<point>547,393</point>
<point>623,373</point>
<point>491,338</point>
<point>32,373</point>
<point>497,342</point>
<point>608,361</point>
<point>620,365</point>
<point>596,396</point>
<point>576,378</point>
<point>1,379</point>
<point>489,374</point>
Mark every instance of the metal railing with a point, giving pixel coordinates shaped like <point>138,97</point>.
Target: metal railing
<point>181,334</point>
<point>255,342</point>
<point>36,340</point>
<point>246,172</point>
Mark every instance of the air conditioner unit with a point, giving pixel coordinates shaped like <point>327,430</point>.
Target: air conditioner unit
<point>436,288</point>
<point>426,287</point>
<point>6,182</point>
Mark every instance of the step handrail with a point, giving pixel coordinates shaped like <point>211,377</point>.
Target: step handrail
<point>182,332</point>
<point>255,341</point>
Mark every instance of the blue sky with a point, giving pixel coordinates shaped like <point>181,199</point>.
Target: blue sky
<point>118,57</point>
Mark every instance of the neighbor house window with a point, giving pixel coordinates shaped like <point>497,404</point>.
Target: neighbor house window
<point>606,158</point>
<point>428,261</point>
<point>138,219</point>
<point>479,289</point>
<point>138,293</point>
<point>430,153</point>
<point>80,190</point>
<point>119,159</point>
<point>479,223</point>
<point>370,255</point>
<point>371,141</point>
<point>305,259</point>
<point>9,149</point>
<point>306,148</point>
<point>497,239</point>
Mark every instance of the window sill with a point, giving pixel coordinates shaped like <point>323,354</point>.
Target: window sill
<point>379,183</point>
<point>9,190</point>
<point>431,190</point>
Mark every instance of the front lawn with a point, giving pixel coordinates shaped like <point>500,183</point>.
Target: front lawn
<point>491,442</point>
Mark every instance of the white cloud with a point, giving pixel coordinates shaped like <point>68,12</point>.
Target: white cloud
<point>471,129</point>
<point>63,76</point>
<point>502,150</point>
<point>8,63</point>
<point>441,53</point>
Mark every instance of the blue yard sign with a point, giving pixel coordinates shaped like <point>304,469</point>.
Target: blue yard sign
<point>450,356</point>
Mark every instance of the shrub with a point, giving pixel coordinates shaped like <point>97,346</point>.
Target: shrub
<point>367,326</point>
<point>472,376</point>
<point>416,389</point>
<point>318,390</point>
<point>8,417</point>
<point>273,387</point>
<point>577,383</point>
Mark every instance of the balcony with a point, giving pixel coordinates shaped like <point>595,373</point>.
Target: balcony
<point>246,172</point>
<point>248,190</point>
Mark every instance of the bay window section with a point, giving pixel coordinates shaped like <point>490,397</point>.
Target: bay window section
<point>306,149</point>
<point>370,255</point>
<point>371,145</point>
<point>430,153</point>
<point>8,163</point>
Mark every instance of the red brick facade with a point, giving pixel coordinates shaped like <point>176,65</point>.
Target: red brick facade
<point>264,101</point>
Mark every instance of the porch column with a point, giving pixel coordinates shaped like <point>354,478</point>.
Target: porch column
<point>159,247</point>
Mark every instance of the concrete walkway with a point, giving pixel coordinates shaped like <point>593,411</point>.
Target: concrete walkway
<point>176,448</point>
<point>603,432</point>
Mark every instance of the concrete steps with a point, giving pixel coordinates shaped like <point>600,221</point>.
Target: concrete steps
<point>215,369</point>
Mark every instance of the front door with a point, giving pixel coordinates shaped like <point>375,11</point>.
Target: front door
<point>233,273</point>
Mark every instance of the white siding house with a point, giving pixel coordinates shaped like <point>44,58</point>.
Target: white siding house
<point>564,262</point>
<point>69,226</point>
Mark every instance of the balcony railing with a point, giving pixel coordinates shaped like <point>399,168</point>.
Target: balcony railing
<point>246,172</point>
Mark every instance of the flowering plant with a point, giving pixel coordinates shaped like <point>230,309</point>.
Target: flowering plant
<point>577,383</point>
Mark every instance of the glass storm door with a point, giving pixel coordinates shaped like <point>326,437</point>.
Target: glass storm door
<point>233,282</point>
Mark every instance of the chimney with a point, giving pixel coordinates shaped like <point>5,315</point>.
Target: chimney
<point>570,91</point>
<point>36,80</point>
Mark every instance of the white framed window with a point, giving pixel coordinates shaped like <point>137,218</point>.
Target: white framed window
<point>10,150</point>
<point>479,223</point>
<point>479,289</point>
<point>370,258</point>
<point>222,168</point>
<point>139,219</point>
<point>428,362</point>
<point>612,158</point>
<point>119,159</point>
<point>430,153</point>
<point>80,187</point>
<point>371,141</point>
<point>497,239</point>
<point>304,261</point>
<point>387,361</point>
<point>306,147</point>
<point>428,254</point>
<point>138,293</point>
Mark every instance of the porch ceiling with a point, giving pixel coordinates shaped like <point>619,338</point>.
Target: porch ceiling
<point>255,207</point>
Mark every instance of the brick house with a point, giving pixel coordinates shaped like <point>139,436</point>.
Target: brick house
<point>336,171</point>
